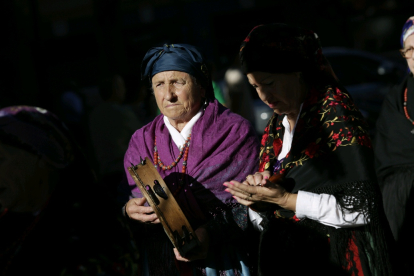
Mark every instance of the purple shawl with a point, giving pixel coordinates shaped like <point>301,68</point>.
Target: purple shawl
<point>223,147</point>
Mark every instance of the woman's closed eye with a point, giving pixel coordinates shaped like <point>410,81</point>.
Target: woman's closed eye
<point>178,83</point>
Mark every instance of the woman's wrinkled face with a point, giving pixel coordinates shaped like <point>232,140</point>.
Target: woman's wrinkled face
<point>177,96</point>
<point>409,43</point>
<point>23,185</point>
<point>283,93</point>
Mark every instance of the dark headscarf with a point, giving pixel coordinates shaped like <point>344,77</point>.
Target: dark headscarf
<point>178,57</point>
<point>280,48</point>
<point>38,131</point>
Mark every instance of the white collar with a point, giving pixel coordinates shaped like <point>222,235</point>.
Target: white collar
<point>288,136</point>
<point>180,137</point>
<point>286,124</point>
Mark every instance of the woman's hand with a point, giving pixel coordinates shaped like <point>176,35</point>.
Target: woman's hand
<point>136,210</point>
<point>257,188</point>
<point>200,252</point>
<point>257,179</point>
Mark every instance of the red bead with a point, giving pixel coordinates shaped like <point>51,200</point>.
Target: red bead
<point>405,105</point>
<point>184,151</point>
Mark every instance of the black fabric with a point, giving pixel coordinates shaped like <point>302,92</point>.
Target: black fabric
<point>291,249</point>
<point>331,153</point>
<point>394,152</point>
<point>279,48</point>
<point>394,142</point>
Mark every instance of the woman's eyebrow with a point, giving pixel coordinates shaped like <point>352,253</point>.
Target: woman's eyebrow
<point>177,79</point>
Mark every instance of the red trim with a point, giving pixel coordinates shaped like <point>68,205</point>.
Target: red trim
<point>405,107</point>
<point>354,248</point>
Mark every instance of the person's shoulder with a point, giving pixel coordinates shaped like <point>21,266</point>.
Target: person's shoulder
<point>231,119</point>
<point>397,90</point>
<point>393,99</point>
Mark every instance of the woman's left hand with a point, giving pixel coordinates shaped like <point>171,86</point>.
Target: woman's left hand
<point>200,252</point>
<point>248,193</point>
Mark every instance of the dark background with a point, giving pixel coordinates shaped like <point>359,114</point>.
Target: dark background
<point>52,46</point>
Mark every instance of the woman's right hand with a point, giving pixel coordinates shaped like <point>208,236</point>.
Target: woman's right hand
<point>136,210</point>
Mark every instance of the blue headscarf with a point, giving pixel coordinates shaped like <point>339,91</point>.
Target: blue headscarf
<point>177,57</point>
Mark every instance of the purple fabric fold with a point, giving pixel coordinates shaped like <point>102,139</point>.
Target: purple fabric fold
<point>223,147</point>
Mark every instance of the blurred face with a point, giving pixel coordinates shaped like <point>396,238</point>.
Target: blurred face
<point>283,93</point>
<point>409,43</point>
<point>23,180</point>
<point>177,96</point>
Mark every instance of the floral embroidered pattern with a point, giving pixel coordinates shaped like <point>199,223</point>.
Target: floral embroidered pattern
<point>329,121</point>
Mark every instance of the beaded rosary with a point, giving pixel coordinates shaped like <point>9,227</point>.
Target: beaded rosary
<point>405,109</point>
<point>183,150</point>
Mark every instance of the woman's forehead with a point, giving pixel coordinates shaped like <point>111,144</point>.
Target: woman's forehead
<point>169,75</point>
<point>263,76</point>
<point>409,41</point>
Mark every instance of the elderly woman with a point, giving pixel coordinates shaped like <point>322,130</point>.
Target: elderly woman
<point>321,209</point>
<point>394,153</point>
<point>196,144</point>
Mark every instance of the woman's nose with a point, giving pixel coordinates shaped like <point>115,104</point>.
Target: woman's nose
<point>169,93</point>
<point>264,95</point>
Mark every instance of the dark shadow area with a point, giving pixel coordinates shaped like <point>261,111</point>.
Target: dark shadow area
<point>55,217</point>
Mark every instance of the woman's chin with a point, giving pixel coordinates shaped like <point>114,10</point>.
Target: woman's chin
<point>278,111</point>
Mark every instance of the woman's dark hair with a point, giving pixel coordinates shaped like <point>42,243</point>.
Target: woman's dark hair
<point>280,48</point>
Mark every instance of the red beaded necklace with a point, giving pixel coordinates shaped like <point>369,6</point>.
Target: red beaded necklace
<point>405,109</point>
<point>183,150</point>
